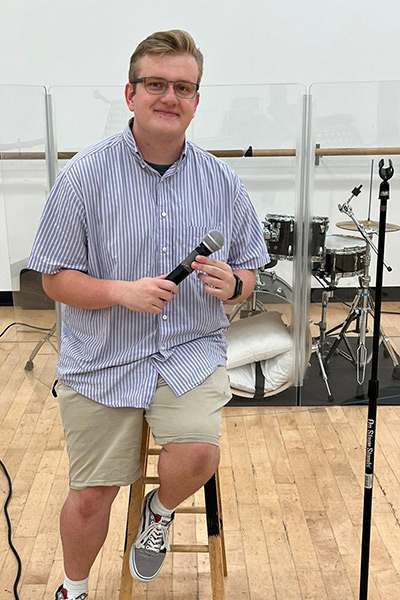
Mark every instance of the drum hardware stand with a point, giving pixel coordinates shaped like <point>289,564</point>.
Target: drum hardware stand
<point>251,305</point>
<point>362,305</point>
<point>319,345</point>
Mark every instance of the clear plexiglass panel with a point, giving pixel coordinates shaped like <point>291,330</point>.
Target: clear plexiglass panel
<point>24,186</point>
<point>355,127</point>
<point>265,123</point>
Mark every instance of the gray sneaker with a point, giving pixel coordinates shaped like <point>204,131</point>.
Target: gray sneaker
<point>62,594</point>
<point>152,542</point>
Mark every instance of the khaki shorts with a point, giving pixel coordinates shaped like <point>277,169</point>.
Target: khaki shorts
<point>103,443</point>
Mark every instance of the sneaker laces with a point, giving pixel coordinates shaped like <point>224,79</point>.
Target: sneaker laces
<point>156,537</point>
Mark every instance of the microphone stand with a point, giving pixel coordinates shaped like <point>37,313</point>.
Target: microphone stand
<point>373,387</point>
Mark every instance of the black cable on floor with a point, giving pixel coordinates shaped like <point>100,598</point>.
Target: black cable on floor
<point>10,542</point>
<point>25,325</point>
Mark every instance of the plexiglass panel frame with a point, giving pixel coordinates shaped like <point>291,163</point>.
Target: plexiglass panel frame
<point>25,187</point>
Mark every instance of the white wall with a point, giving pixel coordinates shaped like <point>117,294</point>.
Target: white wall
<point>52,42</point>
<point>87,42</point>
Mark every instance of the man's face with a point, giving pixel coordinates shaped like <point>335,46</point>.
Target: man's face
<point>167,114</point>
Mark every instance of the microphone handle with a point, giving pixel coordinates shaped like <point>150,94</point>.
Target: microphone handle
<point>184,269</point>
<point>178,274</point>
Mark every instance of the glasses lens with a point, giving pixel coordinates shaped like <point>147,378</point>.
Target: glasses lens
<point>155,85</point>
<point>185,89</point>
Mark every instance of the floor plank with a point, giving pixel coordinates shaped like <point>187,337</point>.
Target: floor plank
<point>292,492</point>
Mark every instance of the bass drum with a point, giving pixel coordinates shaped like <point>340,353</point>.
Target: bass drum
<point>271,283</point>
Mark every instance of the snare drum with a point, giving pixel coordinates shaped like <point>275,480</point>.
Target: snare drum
<point>345,256</point>
<point>279,235</point>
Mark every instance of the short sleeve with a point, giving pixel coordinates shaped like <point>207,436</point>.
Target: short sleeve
<point>248,249</point>
<point>61,239</point>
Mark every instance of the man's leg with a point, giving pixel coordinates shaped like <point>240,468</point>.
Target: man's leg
<point>103,446</point>
<point>84,526</point>
<point>188,429</point>
<point>183,469</point>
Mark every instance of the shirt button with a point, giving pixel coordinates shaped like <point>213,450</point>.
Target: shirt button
<point>164,249</point>
<point>163,214</point>
<point>162,347</point>
<point>164,317</point>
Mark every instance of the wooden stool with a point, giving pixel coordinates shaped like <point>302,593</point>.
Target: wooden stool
<point>131,588</point>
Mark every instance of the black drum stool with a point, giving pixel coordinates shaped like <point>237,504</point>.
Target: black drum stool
<point>132,589</point>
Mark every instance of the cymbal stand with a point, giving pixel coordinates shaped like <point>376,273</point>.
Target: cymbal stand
<point>319,345</point>
<point>361,307</point>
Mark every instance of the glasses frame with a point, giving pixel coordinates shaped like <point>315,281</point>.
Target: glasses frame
<point>174,84</point>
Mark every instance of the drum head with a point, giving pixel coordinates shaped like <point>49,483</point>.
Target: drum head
<point>336,242</point>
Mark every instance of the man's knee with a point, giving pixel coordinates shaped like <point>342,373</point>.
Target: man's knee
<point>92,501</point>
<point>195,458</point>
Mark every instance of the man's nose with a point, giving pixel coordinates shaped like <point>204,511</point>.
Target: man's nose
<point>169,94</point>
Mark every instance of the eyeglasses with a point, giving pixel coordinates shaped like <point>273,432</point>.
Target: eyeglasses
<point>158,86</point>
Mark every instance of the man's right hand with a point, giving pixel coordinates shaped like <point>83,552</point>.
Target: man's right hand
<point>149,294</point>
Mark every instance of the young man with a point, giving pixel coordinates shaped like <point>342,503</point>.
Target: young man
<point>121,216</point>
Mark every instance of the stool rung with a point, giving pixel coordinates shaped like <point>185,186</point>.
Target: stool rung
<point>189,548</point>
<point>191,510</point>
<point>151,479</point>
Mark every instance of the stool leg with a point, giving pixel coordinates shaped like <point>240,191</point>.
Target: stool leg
<point>221,520</point>
<point>214,539</point>
<point>132,524</point>
<point>136,496</point>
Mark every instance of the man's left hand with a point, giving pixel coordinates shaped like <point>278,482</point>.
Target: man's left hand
<point>216,275</point>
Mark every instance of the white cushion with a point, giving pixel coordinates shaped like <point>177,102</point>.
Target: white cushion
<point>256,339</point>
<point>277,371</point>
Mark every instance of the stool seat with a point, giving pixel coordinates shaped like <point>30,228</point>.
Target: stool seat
<point>132,589</point>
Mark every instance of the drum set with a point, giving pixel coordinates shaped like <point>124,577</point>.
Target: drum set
<point>333,257</point>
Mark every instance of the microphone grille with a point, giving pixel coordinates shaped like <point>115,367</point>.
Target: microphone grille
<point>214,240</point>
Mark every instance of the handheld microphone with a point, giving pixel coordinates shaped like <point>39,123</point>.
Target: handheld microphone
<point>213,241</point>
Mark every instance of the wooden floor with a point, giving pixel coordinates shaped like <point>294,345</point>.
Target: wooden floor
<point>292,490</point>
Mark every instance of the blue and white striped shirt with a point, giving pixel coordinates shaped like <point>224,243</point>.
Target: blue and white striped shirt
<point>112,216</point>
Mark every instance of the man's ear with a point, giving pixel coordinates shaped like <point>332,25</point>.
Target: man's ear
<point>196,103</point>
<point>130,97</point>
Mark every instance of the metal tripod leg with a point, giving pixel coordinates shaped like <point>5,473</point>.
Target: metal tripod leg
<point>316,348</point>
<point>353,314</point>
<point>321,343</point>
<point>46,338</point>
<point>385,341</point>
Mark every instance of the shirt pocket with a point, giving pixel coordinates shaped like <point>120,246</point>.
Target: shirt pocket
<point>195,234</point>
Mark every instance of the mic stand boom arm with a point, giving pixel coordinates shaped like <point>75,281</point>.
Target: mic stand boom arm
<point>346,208</point>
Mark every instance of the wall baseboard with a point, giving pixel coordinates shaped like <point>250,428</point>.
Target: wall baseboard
<point>6,299</point>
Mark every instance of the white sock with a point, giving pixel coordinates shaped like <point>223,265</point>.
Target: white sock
<point>158,508</point>
<point>75,588</point>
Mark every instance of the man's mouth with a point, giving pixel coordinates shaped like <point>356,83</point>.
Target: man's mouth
<point>166,113</point>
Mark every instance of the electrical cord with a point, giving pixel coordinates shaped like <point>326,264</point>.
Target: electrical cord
<point>9,530</point>
<point>25,325</point>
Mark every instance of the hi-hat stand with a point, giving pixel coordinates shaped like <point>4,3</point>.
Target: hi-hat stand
<point>361,307</point>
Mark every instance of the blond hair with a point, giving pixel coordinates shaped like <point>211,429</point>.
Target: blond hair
<point>174,41</point>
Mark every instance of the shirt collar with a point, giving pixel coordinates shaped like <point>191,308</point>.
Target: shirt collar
<point>131,143</point>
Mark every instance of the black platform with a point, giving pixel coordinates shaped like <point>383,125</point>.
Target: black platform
<point>342,380</point>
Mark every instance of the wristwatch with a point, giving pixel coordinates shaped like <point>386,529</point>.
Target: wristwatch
<point>238,288</point>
